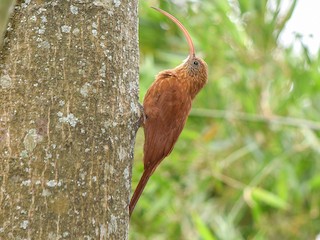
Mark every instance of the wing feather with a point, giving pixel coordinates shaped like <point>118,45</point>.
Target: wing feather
<point>166,107</point>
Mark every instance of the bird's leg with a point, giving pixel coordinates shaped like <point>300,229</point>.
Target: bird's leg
<point>143,116</point>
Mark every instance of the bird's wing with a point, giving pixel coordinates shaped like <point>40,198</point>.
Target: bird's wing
<point>167,105</point>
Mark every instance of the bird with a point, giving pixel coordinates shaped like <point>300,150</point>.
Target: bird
<point>166,107</point>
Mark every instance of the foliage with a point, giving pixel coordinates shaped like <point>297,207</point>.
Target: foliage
<point>5,9</point>
<point>247,164</point>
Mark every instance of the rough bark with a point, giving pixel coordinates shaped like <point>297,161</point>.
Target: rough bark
<point>68,118</point>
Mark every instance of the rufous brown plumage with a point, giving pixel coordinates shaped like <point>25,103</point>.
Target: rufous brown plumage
<point>167,104</point>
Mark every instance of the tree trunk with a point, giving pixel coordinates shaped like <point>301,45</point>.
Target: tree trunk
<point>68,117</point>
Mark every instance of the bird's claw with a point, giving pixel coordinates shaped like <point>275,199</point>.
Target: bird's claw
<point>143,116</point>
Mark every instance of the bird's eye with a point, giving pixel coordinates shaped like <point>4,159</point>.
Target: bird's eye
<point>195,63</point>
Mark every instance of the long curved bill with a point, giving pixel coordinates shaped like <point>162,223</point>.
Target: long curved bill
<point>183,29</point>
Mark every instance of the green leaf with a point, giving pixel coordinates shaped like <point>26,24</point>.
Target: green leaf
<point>202,228</point>
<point>314,183</point>
<point>269,198</point>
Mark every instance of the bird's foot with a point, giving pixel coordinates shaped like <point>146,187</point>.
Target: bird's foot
<point>143,116</point>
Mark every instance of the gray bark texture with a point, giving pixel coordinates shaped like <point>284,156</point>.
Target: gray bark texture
<point>68,118</point>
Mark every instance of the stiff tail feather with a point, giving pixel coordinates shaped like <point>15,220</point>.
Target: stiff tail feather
<point>139,189</point>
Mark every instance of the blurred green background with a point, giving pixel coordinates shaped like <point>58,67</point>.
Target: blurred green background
<point>247,164</point>
<point>6,6</point>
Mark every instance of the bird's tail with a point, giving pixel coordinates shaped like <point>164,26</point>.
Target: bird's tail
<point>137,193</point>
